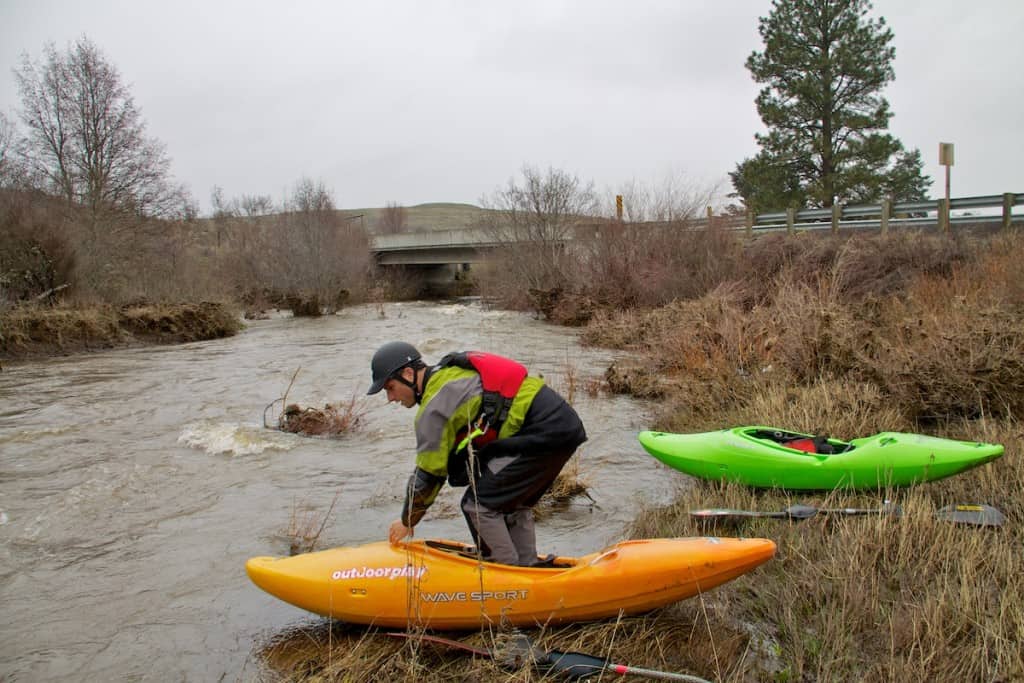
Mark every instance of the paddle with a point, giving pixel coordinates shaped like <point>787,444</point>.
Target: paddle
<point>975,515</point>
<point>792,512</point>
<point>519,650</point>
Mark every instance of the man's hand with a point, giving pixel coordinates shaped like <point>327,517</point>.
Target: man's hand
<point>397,531</point>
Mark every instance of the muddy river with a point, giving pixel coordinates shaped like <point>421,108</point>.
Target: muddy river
<point>135,483</point>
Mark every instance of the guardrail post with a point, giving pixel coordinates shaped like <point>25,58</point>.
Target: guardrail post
<point>837,215</point>
<point>886,210</point>
<point>790,219</point>
<point>1008,201</point>
<point>750,223</point>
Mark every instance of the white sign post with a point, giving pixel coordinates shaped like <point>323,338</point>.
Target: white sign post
<point>945,159</point>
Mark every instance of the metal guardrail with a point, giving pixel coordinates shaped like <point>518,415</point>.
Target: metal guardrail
<point>899,214</point>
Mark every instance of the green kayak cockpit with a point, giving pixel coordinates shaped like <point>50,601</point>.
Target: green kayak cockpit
<point>794,441</point>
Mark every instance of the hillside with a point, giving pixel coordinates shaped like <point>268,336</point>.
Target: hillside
<point>432,216</point>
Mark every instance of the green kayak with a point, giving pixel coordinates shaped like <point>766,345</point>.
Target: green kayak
<point>767,457</point>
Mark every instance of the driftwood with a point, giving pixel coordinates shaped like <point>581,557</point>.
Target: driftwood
<point>330,420</point>
<point>50,292</point>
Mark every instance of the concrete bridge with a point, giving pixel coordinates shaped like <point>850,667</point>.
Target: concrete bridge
<point>434,248</point>
<point>443,255</point>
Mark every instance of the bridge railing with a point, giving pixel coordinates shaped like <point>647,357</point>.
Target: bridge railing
<point>932,212</point>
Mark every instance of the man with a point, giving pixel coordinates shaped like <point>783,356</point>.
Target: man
<point>484,423</point>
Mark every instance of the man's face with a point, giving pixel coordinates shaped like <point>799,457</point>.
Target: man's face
<point>401,393</point>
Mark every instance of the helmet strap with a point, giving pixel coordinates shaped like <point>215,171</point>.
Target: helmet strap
<point>412,385</point>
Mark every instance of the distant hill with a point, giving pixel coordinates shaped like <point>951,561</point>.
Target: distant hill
<point>432,216</point>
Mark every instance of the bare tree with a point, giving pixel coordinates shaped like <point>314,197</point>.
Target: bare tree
<point>223,212</point>
<point>252,205</point>
<point>673,199</point>
<point>6,149</point>
<point>392,220</point>
<point>533,219</point>
<point>320,253</point>
<point>543,208</point>
<point>86,139</point>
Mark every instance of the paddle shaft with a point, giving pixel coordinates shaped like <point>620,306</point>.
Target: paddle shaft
<point>578,665</point>
<point>975,515</point>
<point>651,673</point>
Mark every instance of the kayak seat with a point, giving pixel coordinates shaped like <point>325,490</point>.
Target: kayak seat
<point>546,562</point>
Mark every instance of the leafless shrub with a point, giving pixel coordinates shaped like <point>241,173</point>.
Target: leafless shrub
<point>673,199</point>
<point>860,266</point>
<point>534,218</point>
<point>255,205</point>
<point>10,170</point>
<point>308,254</point>
<point>392,219</point>
<point>306,525</point>
<point>331,420</point>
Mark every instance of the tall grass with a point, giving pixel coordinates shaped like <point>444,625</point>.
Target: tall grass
<point>881,598</point>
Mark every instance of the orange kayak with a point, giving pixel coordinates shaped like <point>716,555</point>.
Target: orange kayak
<point>439,584</point>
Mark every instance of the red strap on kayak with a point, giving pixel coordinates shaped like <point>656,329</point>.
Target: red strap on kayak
<point>806,445</point>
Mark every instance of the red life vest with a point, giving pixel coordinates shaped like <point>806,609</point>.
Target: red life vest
<point>501,378</point>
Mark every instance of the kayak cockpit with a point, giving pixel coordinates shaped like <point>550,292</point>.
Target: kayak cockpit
<point>805,443</point>
<point>469,552</point>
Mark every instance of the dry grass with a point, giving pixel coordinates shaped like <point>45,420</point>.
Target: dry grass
<point>883,598</point>
<point>305,526</point>
<point>570,484</point>
<point>429,217</point>
<point>940,347</point>
<point>672,640</point>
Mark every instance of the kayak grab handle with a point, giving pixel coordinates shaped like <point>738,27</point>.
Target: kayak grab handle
<point>607,555</point>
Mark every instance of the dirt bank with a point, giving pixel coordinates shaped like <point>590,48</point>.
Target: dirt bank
<point>38,331</point>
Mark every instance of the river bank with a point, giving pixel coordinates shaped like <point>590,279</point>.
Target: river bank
<point>43,331</point>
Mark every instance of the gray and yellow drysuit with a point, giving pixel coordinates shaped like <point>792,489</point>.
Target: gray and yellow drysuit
<point>507,476</point>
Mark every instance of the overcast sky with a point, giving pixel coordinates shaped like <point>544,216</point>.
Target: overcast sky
<point>421,101</point>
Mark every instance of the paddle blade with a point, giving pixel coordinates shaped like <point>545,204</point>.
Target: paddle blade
<point>975,515</point>
<point>574,664</point>
<point>801,511</point>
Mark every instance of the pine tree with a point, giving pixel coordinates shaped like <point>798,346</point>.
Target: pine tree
<point>824,65</point>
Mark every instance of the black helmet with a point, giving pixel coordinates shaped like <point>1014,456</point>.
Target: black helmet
<point>388,360</point>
